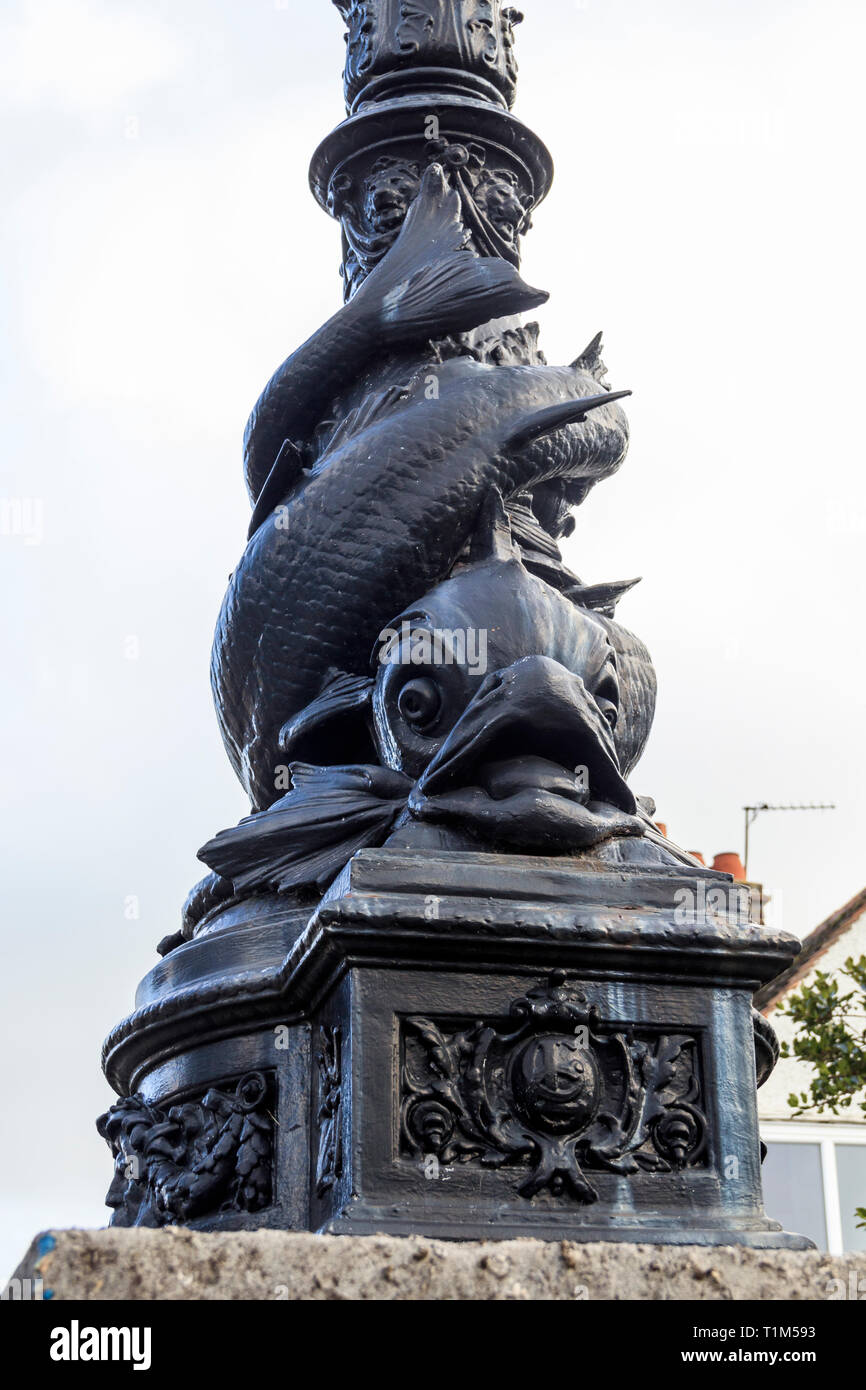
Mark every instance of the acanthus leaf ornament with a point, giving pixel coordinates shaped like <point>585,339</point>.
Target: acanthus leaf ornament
<point>384,37</point>
<point>359,17</point>
<point>562,1093</point>
<point>329,1061</point>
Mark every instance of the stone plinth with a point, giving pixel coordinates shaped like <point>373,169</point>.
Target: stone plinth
<point>272,1265</point>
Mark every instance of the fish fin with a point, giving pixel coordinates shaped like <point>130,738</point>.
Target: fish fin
<point>344,698</point>
<point>288,466</point>
<point>601,598</point>
<point>553,572</point>
<point>430,285</point>
<point>554,417</point>
<point>492,538</point>
<point>372,407</point>
<point>590,360</point>
<point>529,532</point>
<point>309,835</point>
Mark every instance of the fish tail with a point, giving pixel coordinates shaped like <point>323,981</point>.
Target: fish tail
<point>430,285</point>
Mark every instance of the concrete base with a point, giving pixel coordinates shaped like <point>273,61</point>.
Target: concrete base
<point>180,1264</point>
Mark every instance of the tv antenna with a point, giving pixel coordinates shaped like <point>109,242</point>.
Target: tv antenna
<point>752,813</point>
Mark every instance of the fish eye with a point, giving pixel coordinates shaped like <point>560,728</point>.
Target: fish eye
<point>608,710</point>
<point>420,702</point>
<point>606,696</point>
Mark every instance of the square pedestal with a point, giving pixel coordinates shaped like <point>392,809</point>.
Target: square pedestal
<point>507,1047</point>
<point>470,1046</point>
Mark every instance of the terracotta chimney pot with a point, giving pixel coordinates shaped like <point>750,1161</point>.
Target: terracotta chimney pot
<point>696,854</point>
<point>730,864</point>
<point>662,828</point>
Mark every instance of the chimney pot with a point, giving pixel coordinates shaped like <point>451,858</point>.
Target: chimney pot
<point>729,863</point>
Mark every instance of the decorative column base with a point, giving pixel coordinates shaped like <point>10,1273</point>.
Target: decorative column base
<point>468,1046</point>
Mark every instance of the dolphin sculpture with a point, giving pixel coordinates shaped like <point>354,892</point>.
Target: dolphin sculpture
<point>517,753</point>
<point>353,523</point>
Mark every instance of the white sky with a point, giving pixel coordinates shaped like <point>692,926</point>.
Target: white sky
<point>161,254</point>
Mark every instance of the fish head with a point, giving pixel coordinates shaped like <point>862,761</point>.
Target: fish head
<point>427,676</point>
<point>530,766</point>
<point>436,659</point>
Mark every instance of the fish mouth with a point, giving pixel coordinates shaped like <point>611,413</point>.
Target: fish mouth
<point>530,763</point>
<point>534,718</point>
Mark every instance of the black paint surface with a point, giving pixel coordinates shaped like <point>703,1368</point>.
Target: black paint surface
<point>447,976</point>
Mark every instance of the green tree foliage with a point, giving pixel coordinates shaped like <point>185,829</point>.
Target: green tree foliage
<point>830,1019</point>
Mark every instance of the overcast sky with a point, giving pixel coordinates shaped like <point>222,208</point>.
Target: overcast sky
<point>161,253</point>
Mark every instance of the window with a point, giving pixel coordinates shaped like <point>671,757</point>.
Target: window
<point>851,1171</point>
<point>814,1179</point>
<point>793,1190</point>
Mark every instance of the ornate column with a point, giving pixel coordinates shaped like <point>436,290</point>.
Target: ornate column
<point>399,46</point>
<point>447,977</point>
<point>429,82</point>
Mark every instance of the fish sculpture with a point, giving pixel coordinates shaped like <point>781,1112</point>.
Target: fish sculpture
<point>354,522</point>
<point>399,492</point>
<point>516,752</point>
